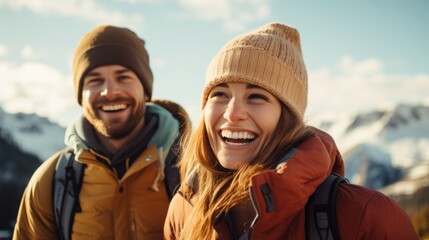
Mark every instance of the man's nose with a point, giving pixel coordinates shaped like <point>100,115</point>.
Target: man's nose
<point>110,89</point>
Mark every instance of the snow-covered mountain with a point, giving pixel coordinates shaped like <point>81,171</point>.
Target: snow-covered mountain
<point>33,134</point>
<point>378,147</point>
<point>25,141</point>
<point>386,150</point>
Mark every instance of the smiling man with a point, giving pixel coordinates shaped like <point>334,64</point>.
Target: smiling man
<point>125,145</point>
<point>114,103</point>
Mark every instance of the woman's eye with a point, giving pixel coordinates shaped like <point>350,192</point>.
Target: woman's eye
<point>217,94</point>
<point>258,96</point>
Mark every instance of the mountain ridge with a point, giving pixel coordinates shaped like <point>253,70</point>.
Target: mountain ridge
<point>401,133</point>
<point>33,134</point>
<point>387,150</point>
<point>406,125</point>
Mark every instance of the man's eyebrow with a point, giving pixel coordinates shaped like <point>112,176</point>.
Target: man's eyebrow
<point>96,74</point>
<point>123,70</point>
<point>93,74</point>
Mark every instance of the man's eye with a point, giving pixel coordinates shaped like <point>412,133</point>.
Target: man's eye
<point>94,81</point>
<point>123,77</point>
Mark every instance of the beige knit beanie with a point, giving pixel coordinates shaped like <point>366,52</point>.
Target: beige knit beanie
<point>108,45</point>
<point>269,57</point>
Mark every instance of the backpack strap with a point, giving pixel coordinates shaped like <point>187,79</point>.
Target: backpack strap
<point>66,186</point>
<point>172,176</point>
<point>320,210</point>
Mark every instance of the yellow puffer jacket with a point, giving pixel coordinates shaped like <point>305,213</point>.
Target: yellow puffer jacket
<point>111,208</point>
<point>133,207</point>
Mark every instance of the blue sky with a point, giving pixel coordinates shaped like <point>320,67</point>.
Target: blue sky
<point>360,55</point>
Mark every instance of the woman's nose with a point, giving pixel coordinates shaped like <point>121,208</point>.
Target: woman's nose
<point>235,111</point>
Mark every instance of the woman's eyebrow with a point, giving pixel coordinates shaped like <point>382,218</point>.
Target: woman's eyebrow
<point>252,86</point>
<point>224,85</point>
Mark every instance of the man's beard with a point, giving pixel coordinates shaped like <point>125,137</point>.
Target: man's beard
<point>116,129</point>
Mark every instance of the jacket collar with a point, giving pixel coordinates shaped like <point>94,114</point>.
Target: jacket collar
<point>161,130</point>
<point>280,194</point>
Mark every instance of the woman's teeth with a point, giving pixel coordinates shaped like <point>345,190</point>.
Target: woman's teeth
<point>237,138</point>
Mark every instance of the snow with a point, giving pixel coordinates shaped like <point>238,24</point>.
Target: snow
<point>402,131</point>
<point>404,187</point>
<point>33,134</point>
<point>420,171</point>
<point>380,143</point>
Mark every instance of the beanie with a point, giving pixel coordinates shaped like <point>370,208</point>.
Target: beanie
<point>269,57</point>
<point>109,45</point>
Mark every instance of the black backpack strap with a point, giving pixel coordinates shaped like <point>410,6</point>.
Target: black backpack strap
<point>172,176</point>
<point>66,186</point>
<point>321,222</point>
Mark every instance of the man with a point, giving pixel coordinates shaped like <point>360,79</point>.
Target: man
<point>125,143</point>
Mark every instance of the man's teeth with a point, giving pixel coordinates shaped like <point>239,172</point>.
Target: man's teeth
<point>113,107</point>
<point>237,135</point>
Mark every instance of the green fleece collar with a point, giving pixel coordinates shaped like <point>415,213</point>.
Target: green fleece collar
<point>168,126</point>
<point>166,133</point>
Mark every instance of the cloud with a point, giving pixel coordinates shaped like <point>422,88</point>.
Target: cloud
<point>87,10</point>
<point>368,66</point>
<point>3,50</point>
<point>28,53</point>
<point>37,88</point>
<point>141,1</point>
<point>356,86</point>
<point>233,14</point>
<point>347,87</point>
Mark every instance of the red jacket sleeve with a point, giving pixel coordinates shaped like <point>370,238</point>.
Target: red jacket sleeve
<point>363,213</point>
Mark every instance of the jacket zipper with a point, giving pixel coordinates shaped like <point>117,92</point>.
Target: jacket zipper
<point>255,206</point>
<point>133,227</point>
<point>100,164</point>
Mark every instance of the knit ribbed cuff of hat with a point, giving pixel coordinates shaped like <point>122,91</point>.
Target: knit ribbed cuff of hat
<point>111,54</point>
<point>254,66</point>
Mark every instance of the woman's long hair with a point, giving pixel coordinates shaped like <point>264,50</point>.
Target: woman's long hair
<point>220,189</point>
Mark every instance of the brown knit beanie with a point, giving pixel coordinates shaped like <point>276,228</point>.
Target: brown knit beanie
<point>269,57</point>
<point>109,45</point>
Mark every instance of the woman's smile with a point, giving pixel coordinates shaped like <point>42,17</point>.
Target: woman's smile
<point>237,138</point>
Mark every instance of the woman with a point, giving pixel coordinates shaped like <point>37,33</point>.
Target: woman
<point>252,164</point>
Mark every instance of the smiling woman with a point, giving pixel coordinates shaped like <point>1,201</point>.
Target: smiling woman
<point>252,164</point>
<point>234,125</point>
